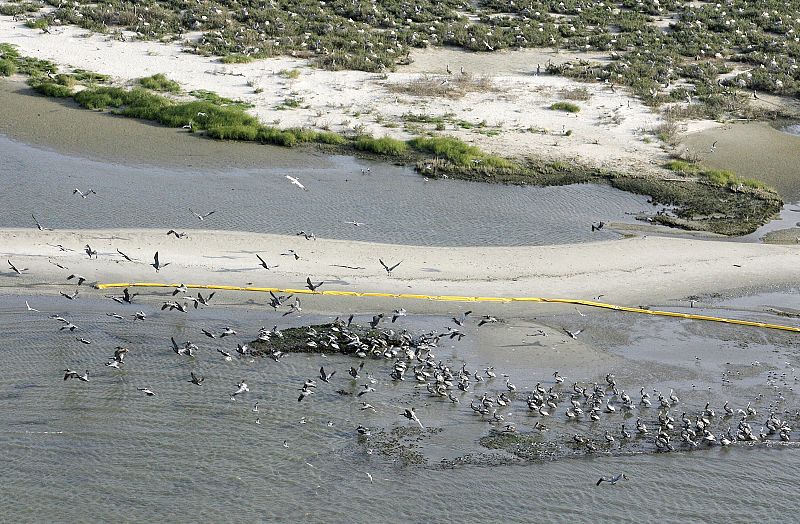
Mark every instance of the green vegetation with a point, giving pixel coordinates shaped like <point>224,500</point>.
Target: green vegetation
<point>717,177</point>
<point>90,77</point>
<point>39,23</point>
<point>381,146</point>
<point>569,107</point>
<point>210,96</point>
<point>457,152</point>
<point>236,58</point>
<point>52,89</point>
<point>19,8</point>
<point>289,73</point>
<point>159,82</point>
<point>7,67</point>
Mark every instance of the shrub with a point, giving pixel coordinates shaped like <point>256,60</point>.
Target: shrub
<point>382,146</point>
<point>82,75</point>
<point>101,97</point>
<point>565,106</point>
<point>236,59</point>
<point>271,135</point>
<point>159,82</point>
<point>51,89</point>
<point>327,137</point>
<point>248,133</point>
<point>289,73</point>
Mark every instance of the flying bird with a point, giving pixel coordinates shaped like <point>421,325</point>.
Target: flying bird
<point>310,285</point>
<point>126,257</point>
<point>70,297</point>
<point>81,279</point>
<point>196,380</point>
<point>158,265</point>
<point>176,234</point>
<point>296,182</point>
<point>30,308</point>
<point>14,268</point>
<point>202,217</point>
<point>389,269</point>
<point>88,192</point>
<point>89,251</point>
<point>264,264</point>
<point>39,226</point>
<point>612,480</point>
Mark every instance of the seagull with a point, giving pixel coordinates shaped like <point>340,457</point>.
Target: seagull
<point>294,307</point>
<point>147,391</point>
<point>30,308</point>
<point>180,289</point>
<point>296,182</point>
<point>207,333</point>
<point>174,305</point>
<point>264,264</point>
<point>461,318</point>
<point>308,236</point>
<point>81,279</point>
<point>375,320</point>
<point>126,257</point>
<point>57,264</point>
<point>202,217</point>
<point>68,373</point>
<point>200,299</point>
<point>83,340</point>
<point>388,268</point>
<point>70,297</point>
<point>227,332</point>
<point>39,226</point>
<point>312,286</point>
<point>612,480</point>
<point>196,380</point>
<point>325,377</point>
<point>572,334</point>
<point>354,223</point>
<point>291,253</point>
<point>714,146</point>
<point>242,388</point>
<point>158,265</point>
<point>119,353</point>
<point>410,415</point>
<point>77,191</point>
<point>225,354</point>
<point>487,319</point>
<point>139,315</point>
<point>89,251</point>
<point>14,268</point>
<point>177,235</point>
<point>398,313</point>
<point>127,297</point>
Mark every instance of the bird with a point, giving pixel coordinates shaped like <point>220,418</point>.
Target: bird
<point>126,298</point>
<point>126,257</point>
<point>68,373</point>
<point>201,217</point>
<point>57,264</point>
<point>28,306</point>
<point>88,192</point>
<point>208,333</point>
<point>375,320</point>
<point>264,264</point>
<point>312,286</point>
<point>354,223</point>
<point>612,480</point>
<point>201,299</point>
<point>307,236</point>
<point>461,319</point>
<point>410,415</point>
<point>225,354</point>
<point>139,315</point>
<point>119,353</point>
<point>176,234</point>
<point>713,146</point>
<point>195,379</point>
<point>559,378</point>
<point>180,289</point>
<point>398,313</point>
<point>69,297</point>
<point>241,388</point>
<point>325,377</point>
<point>147,391</point>
<point>81,279</point>
<point>14,268</point>
<point>599,226</point>
<point>572,334</point>
<point>487,319</point>
<point>39,226</point>
<point>83,340</point>
<point>227,332</point>
<point>291,253</point>
<point>389,269</point>
<point>296,182</point>
<point>89,251</point>
<point>158,265</point>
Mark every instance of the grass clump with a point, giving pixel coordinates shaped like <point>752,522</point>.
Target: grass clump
<point>290,74</point>
<point>236,58</point>
<point>716,177</point>
<point>381,146</point>
<point>90,77</point>
<point>159,82</point>
<point>569,107</point>
<point>51,89</point>
<point>7,67</point>
<point>214,98</point>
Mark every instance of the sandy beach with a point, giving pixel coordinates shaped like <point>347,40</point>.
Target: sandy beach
<point>630,271</point>
<point>511,117</point>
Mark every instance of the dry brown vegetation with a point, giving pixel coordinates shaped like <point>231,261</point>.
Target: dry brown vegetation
<point>444,86</point>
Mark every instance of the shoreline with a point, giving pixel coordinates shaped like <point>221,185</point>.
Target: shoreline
<point>629,271</point>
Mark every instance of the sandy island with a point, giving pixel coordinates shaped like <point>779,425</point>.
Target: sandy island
<point>630,271</point>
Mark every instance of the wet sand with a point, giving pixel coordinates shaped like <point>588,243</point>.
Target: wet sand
<point>64,127</point>
<point>753,150</point>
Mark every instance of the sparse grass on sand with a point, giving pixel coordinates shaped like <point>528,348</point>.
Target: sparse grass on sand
<point>159,82</point>
<point>569,107</point>
<point>453,86</point>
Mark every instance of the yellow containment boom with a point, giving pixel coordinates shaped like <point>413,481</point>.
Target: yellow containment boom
<point>456,298</point>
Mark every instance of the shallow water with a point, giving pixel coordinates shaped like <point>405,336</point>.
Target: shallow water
<point>190,452</point>
<point>394,204</point>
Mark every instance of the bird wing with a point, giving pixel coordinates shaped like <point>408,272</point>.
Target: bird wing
<point>394,266</point>
<point>155,259</point>
<point>384,265</point>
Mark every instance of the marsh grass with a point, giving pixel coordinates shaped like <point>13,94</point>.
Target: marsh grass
<point>457,152</point>
<point>159,82</point>
<point>51,89</point>
<point>214,98</point>
<point>717,177</point>
<point>381,146</point>
<point>7,67</point>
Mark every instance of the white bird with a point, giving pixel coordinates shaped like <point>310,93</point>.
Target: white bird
<point>147,391</point>
<point>201,217</point>
<point>242,388</point>
<point>77,191</point>
<point>30,308</point>
<point>296,182</point>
